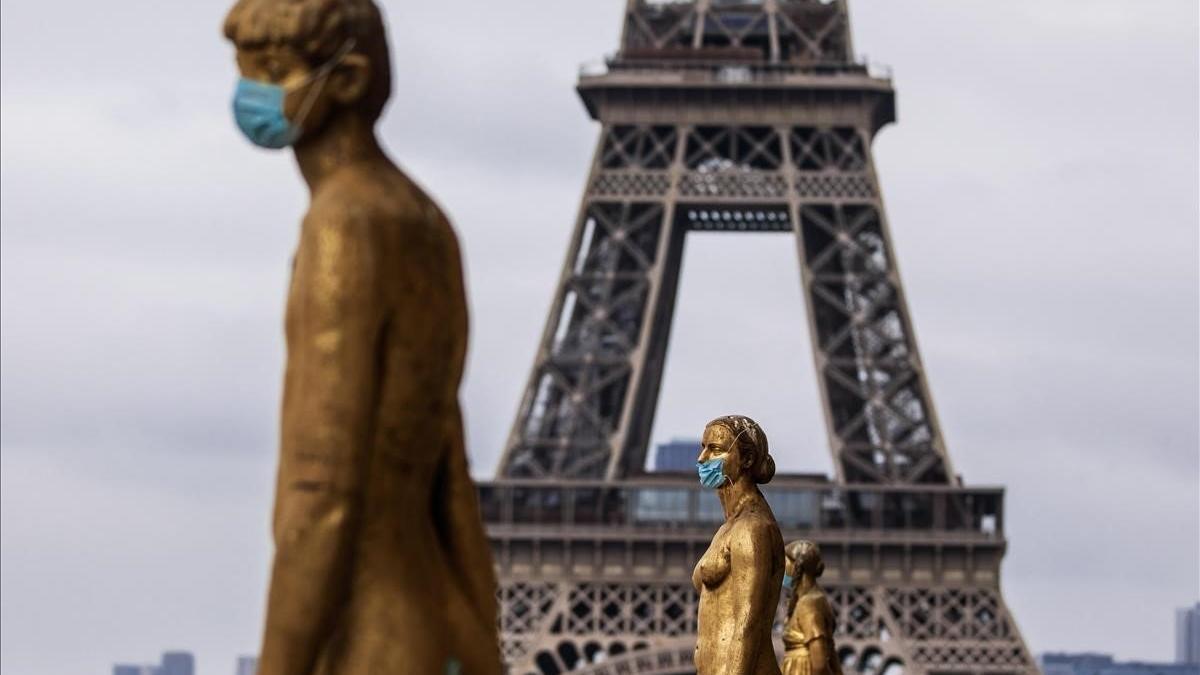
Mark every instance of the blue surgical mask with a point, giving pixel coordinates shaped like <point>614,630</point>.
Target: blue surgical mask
<point>258,107</point>
<point>788,581</point>
<point>712,473</point>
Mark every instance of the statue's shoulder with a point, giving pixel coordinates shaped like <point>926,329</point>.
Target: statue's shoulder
<point>753,529</point>
<point>388,207</point>
<point>814,603</point>
<point>383,195</point>
<point>415,204</point>
<point>424,223</point>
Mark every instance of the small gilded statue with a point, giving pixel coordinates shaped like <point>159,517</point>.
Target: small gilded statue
<point>739,577</point>
<point>808,633</point>
<point>381,563</point>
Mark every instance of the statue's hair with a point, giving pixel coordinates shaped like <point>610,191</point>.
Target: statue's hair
<point>750,438</point>
<point>317,29</point>
<point>805,555</point>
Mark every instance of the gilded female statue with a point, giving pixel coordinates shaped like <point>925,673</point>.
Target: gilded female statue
<point>808,633</point>
<point>381,563</point>
<point>739,577</point>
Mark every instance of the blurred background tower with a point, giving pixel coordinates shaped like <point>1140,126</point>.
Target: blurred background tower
<point>1187,635</point>
<point>737,117</point>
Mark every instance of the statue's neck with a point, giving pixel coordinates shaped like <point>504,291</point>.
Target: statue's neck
<point>804,584</point>
<point>344,140</point>
<point>736,497</point>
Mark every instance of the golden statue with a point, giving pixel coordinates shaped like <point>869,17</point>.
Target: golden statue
<point>739,577</point>
<point>808,633</point>
<point>381,562</point>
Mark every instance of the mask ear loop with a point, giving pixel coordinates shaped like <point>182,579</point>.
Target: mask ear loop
<point>320,76</point>
<point>728,481</point>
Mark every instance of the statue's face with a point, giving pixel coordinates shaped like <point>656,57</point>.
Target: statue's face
<point>343,83</point>
<point>718,442</point>
<point>790,568</point>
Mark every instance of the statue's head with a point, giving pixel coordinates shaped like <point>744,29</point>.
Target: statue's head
<point>304,62</point>
<point>804,558</point>
<point>742,444</point>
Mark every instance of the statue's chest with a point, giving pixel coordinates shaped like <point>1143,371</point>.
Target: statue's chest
<point>714,565</point>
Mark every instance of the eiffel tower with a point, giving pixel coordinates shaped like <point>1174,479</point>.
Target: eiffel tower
<point>740,117</point>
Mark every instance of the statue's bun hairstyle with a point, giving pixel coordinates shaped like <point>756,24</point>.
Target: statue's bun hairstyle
<point>317,29</point>
<point>805,555</point>
<point>752,440</point>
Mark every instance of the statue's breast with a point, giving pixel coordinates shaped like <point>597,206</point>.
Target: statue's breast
<point>714,565</point>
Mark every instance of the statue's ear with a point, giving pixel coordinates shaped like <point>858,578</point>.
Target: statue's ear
<point>350,79</point>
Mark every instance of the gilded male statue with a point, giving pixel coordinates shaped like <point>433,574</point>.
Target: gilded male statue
<point>381,564</point>
<point>740,574</point>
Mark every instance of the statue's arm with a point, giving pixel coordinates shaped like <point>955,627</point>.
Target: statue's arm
<point>815,618</point>
<point>329,405</point>
<point>750,551</point>
<point>819,656</point>
<point>463,533</point>
<point>460,524</point>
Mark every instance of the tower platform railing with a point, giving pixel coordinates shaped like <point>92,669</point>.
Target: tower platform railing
<point>716,68</point>
<point>648,505</point>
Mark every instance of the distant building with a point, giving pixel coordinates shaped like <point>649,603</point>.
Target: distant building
<point>177,663</point>
<point>127,669</point>
<point>247,665</point>
<point>173,663</point>
<point>1187,635</point>
<point>1103,664</point>
<point>678,456</point>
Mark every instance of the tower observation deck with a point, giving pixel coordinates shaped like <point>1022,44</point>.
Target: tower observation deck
<point>737,117</point>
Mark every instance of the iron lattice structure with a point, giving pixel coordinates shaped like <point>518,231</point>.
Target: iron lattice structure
<point>737,117</point>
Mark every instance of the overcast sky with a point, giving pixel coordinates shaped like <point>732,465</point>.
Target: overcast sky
<point>1042,190</point>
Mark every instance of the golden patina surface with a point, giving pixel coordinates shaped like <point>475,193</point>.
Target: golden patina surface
<point>808,633</point>
<point>381,563</point>
<point>739,577</point>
